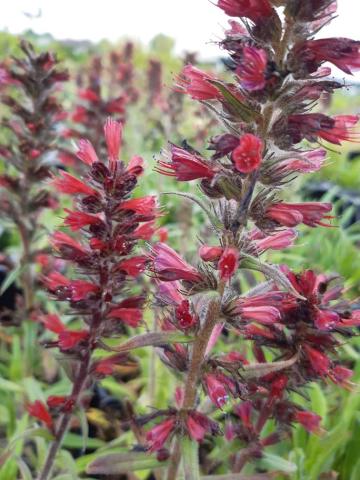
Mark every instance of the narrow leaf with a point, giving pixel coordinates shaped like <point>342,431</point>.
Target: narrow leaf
<point>121,463</point>
<point>270,271</point>
<point>257,370</point>
<point>153,339</point>
<point>10,278</point>
<point>235,106</point>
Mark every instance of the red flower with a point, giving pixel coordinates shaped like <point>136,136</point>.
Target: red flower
<point>66,183</point>
<point>278,241</point>
<point>255,10</point>
<point>309,162</point>
<point>107,365</point>
<point>252,68</point>
<point>210,254</point>
<point>65,403</point>
<point>185,166</point>
<point>309,420</point>
<point>216,390</point>
<point>169,266</point>
<point>76,220</point>
<point>228,263</point>
<point>247,155</point>
<point>311,126</point>
<point>38,410</point>
<point>130,316</point>
<point>183,316</point>
<point>326,319</point>
<point>142,206</point>
<point>342,52</point>
<point>80,289</point>
<point>86,152</point>
<point>68,339</point>
<point>196,83</point>
<point>340,375</point>
<point>133,266</point>
<point>292,214</point>
<point>243,410</point>
<point>88,94</point>
<point>53,323</point>
<point>198,425</point>
<point>144,231</point>
<point>157,436</point>
<point>113,136</point>
<point>135,166</point>
<point>265,314</point>
<point>60,240</point>
<point>55,280</point>
<point>318,361</point>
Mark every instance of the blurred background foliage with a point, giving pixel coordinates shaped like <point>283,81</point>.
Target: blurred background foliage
<point>29,373</point>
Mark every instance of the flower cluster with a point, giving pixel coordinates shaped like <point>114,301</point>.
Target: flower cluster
<point>105,293</point>
<point>297,319</point>
<point>28,90</point>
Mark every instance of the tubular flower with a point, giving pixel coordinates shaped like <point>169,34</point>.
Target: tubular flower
<point>344,53</point>
<point>310,162</point>
<point>228,263</point>
<point>247,155</point>
<point>158,435</point>
<point>278,241</point>
<point>252,9</point>
<point>252,69</point>
<point>309,420</point>
<point>185,166</point>
<point>66,183</point>
<point>169,266</point>
<point>216,390</point>
<point>196,83</point>
<point>38,410</point>
<point>292,214</point>
<point>312,126</point>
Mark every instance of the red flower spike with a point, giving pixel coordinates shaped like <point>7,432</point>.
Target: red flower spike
<point>195,83</point>
<point>228,263</point>
<point>38,410</point>
<point>158,435</point>
<point>247,155</point>
<point>169,266</point>
<point>66,183</point>
<point>252,69</point>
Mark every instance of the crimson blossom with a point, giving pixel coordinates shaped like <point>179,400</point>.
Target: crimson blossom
<point>298,319</point>
<point>110,225</point>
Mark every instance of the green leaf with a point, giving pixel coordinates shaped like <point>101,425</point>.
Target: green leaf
<point>8,386</point>
<point>118,463</point>
<point>234,105</point>
<point>274,462</point>
<point>154,339</point>
<point>10,278</point>
<point>72,440</point>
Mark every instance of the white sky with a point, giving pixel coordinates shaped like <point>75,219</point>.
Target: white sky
<point>193,23</point>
